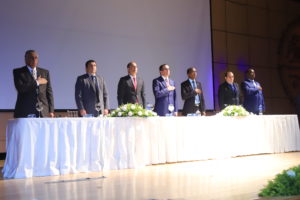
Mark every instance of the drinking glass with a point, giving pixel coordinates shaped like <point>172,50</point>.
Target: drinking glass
<point>39,107</point>
<point>149,106</point>
<point>98,107</point>
<point>198,113</point>
<point>171,108</point>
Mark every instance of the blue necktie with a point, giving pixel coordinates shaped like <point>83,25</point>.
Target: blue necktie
<point>232,87</point>
<point>197,98</point>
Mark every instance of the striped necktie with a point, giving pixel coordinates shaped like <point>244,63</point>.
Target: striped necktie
<point>34,75</point>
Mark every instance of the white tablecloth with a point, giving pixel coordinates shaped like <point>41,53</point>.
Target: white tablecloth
<point>45,146</point>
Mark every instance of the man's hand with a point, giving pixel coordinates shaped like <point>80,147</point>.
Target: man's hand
<point>41,80</point>
<point>198,91</point>
<point>170,88</point>
<point>82,112</point>
<point>105,112</point>
<point>204,113</point>
<point>260,88</point>
<point>51,114</point>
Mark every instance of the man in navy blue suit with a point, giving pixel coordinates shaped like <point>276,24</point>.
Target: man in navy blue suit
<point>253,96</point>
<point>164,92</point>
<point>90,90</point>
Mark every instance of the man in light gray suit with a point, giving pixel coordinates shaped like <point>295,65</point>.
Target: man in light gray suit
<point>90,92</point>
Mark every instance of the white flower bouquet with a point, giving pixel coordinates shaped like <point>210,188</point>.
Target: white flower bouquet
<point>132,110</point>
<point>234,110</point>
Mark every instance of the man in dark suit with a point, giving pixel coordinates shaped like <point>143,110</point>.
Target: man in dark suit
<point>192,94</point>
<point>90,92</point>
<point>229,92</point>
<point>131,87</point>
<point>34,89</point>
<point>253,96</point>
<point>164,92</point>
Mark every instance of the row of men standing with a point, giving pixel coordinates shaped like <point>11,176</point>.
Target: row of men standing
<point>229,93</point>
<point>34,87</point>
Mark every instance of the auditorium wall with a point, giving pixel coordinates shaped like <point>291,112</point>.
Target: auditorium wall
<point>248,32</point>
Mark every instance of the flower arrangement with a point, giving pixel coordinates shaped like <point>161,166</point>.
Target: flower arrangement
<point>132,110</point>
<point>234,110</point>
<point>286,183</point>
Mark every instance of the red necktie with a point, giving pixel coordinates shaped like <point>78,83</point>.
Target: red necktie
<point>134,82</point>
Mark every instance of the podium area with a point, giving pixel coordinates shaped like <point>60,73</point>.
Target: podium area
<point>47,147</point>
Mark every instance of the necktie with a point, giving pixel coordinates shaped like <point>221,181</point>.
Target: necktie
<point>134,82</point>
<point>97,87</point>
<point>232,87</point>
<point>135,86</point>
<point>197,97</point>
<point>34,75</point>
<point>194,85</point>
<point>167,82</point>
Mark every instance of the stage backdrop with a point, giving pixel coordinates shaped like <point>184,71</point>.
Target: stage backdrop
<point>113,32</point>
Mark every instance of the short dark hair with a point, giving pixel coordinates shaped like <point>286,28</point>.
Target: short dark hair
<point>88,62</point>
<point>226,73</point>
<point>129,64</point>
<point>28,52</point>
<point>161,67</point>
<point>189,70</point>
<point>249,69</point>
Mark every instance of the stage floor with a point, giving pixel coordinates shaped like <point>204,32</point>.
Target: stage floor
<point>232,178</point>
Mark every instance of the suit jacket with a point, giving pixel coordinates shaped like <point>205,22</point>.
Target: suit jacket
<point>86,94</point>
<point>163,97</point>
<point>253,97</point>
<point>29,93</point>
<point>127,92</point>
<point>227,96</point>
<point>188,94</point>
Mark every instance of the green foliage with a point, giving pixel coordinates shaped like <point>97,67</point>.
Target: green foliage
<point>132,110</point>
<point>285,184</point>
<point>234,110</point>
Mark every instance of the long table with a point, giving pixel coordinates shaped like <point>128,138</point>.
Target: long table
<point>55,146</point>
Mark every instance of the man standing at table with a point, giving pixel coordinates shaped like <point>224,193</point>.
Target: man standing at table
<point>164,92</point>
<point>131,87</point>
<point>34,89</point>
<point>253,96</point>
<point>229,92</point>
<point>90,92</point>
<point>192,94</point>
